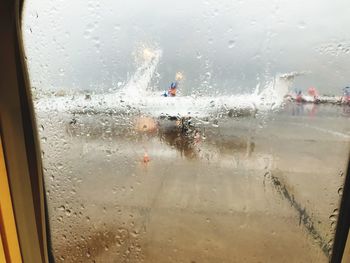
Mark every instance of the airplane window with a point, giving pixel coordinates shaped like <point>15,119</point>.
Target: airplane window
<point>191,131</point>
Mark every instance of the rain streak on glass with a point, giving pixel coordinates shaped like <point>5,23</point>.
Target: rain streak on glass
<point>191,131</point>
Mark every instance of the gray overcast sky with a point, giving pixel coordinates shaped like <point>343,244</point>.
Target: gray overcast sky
<point>89,44</point>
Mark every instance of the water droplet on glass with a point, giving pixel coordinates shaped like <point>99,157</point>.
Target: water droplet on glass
<point>61,72</point>
<point>301,24</point>
<point>333,224</point>
<point>68,212</point>
<point>333,217</point>
<point>340,191</point>
<point>231,44</point>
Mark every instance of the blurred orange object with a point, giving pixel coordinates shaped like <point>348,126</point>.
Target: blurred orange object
<point>146,124</point>
<point>146,159</point>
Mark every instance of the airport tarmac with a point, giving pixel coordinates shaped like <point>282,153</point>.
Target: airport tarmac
<point>248,189</point>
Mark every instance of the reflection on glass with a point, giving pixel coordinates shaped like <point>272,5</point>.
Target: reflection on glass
<point>203,132</point>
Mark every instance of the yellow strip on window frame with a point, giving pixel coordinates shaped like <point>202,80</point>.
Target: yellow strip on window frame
<point>8,231</point>
<point>2,252</point>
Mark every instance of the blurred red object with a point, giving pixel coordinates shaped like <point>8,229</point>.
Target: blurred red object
<point>312,92</point>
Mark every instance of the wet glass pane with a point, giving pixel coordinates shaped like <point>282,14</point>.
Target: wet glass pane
<point>191,131</point>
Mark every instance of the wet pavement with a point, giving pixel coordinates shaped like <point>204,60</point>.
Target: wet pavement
<point>248,189</point>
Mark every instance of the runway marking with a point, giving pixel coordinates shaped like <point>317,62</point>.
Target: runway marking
<point>335,133</point>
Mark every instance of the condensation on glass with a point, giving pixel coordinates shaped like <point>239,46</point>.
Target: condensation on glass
<point>191,131</point>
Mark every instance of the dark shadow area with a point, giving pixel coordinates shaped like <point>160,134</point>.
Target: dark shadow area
<point>304,216</point>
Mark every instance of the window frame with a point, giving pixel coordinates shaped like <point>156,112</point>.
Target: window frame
<point>22,151</point>
<point>19,137</point>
